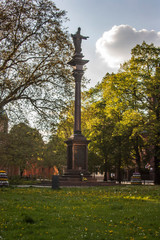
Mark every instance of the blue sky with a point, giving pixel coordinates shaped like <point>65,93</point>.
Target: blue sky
<point>114,27</point>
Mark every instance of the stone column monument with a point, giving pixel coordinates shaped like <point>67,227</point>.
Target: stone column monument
<point>77,144</point>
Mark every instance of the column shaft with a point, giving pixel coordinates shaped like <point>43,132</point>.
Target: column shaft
<point>77,110</point>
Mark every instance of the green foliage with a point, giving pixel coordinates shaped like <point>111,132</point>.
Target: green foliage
<point>25,146</point>
<point>121,113</point>
<point>104,126</point>
<point>144,67</point>
<point>115,213</point>
<point>55,152</point>
<point>66,122</point>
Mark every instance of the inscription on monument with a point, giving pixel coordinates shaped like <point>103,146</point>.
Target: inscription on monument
<point>69,157</point>
<point>80,156</point>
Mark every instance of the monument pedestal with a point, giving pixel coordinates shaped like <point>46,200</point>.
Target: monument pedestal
<point>77,160</point>
<point>77,153</point>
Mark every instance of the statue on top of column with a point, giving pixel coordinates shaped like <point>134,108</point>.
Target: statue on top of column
<point>77,40</point>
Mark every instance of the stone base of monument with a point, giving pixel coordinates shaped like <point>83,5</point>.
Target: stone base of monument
<point>136,179</point>
<point>80,178</point>
<point>76,177</point>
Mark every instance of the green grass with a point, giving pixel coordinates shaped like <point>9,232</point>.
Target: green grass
<point>104,213</point>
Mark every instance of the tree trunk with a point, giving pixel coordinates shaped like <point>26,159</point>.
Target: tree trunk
<point>138,157</point>
<point>157,165</point>
<point>119,171</point>
<point>21,173</point>
<point>105,170</point>
<point>119,161</point>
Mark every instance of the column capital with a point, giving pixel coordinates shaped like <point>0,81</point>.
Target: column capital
<point>78,75</point>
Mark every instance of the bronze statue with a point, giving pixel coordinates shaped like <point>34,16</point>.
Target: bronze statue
<point>77,40</point>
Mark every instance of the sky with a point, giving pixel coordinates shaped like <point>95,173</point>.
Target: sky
<point>114,27</point>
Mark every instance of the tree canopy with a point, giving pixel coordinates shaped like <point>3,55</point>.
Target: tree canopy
<point>34,50</point>
<point>24,147</point>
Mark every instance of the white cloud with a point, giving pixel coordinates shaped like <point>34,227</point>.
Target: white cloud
<point>115,45</point>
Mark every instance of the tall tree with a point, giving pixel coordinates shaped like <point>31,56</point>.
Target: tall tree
<point>115,122</point>
<point>144,67</point>
<point>34,50</point>
<point>98,128</point>
<point>25,146</point>
<point>118,108</point>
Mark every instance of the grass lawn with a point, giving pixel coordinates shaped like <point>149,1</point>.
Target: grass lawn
<point>104,213</point>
